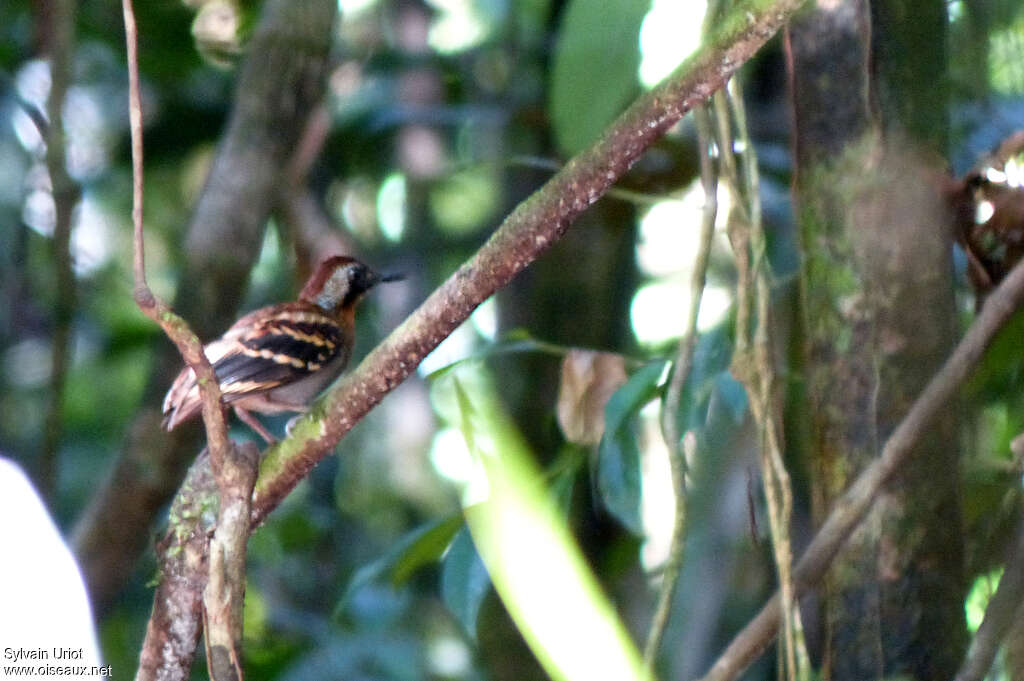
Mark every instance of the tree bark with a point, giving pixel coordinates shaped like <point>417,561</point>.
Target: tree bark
<point>879,319</point>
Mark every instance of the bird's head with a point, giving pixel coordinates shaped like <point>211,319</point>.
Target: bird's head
<point>340,282</point>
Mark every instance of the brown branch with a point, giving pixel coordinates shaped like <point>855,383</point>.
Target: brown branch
<point>313,232</point>
<point>1003,609</point>
<point>534,225</point>
<point>853,505</point>
<point>234,469</point>
<point>174,626</point>
<point>224,595</point>
<point>65,192</point>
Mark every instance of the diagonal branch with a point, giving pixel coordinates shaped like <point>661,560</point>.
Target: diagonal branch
<point>525,234</point>
<point>851,508</point>
<point>531,228</point>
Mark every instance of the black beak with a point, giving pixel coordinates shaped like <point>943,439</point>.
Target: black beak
<point>385,278</point>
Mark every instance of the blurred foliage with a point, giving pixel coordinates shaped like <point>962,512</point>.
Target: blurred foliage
<point>594,75</point>
<point>618,467</point>
<point>437,110</point>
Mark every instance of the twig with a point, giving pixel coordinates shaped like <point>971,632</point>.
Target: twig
<point>1003,609</point>
<point>234,469</point>
<point>674,391</point>
<point>174,326</point>
<point>633,196</point>
<point>853,505</point>
<point>313,232</point>
<point>65,194</point>
<point>35,115</point>
<point>768,406</point>
<point>534,225</point>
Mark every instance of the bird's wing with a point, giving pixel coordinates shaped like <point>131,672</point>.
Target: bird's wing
<point>278,349</point>
<point>261,351</point>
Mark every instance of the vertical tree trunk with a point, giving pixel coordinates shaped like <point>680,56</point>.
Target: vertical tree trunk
<point>879,318</point>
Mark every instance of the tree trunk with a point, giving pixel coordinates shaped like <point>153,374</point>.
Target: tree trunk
<point>879,320</point>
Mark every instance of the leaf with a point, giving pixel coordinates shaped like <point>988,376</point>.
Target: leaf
<point>711,359</point>
<point>464,582</point>
<point>1001,371</point>
<point>536,566</point>
<point>383,656</point>
<point>594,75</point>
<point>618,459</point>
<point>587,382</point>
<point>466,414</point>
<point>560,476</point>
<point>732,395</point>
<point>424,545</point>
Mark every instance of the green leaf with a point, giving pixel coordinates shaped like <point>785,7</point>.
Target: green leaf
<point>464,582</point>
<point>594,75</point>
<point>536,566</point>
<point>618,457</point>
<point>424,545</point>
<point>562,479</point>
<point>465,413</point>
<point>1001,371</point>
<point>732,395</point>
<point>711,359</point>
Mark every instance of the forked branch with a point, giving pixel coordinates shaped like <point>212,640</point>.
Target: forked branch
<point>234,471</point>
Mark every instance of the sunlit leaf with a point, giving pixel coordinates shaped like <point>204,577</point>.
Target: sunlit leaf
<point>978,597</point>
<point>618,460</point>
<point>535,564</point>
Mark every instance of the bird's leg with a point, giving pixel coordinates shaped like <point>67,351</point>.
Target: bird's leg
<point>254,423</point>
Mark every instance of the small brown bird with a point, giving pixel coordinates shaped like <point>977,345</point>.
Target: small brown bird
<point>280,357</point>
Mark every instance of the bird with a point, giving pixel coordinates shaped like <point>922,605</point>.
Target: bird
<point>278,358</point>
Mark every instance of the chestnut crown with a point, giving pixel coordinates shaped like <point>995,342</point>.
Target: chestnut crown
<point>340,282</point>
